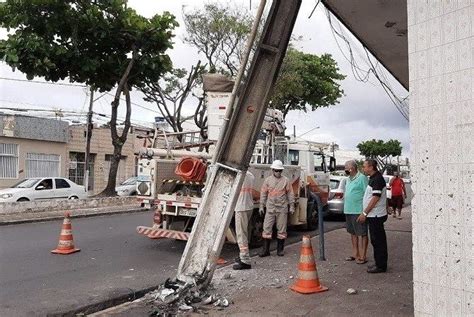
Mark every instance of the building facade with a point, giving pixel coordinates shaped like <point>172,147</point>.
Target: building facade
<point>31,147</point>
<point>39,147</point>
<point>441,60</point>
<point>101,155</point>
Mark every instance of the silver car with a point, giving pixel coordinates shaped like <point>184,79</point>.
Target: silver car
<point>336,195</point>
<point>127,188</point>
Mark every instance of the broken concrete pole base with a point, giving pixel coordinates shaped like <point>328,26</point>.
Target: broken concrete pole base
<point>174,297</point>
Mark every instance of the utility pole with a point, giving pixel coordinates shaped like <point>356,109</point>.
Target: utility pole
<point>88,141</point>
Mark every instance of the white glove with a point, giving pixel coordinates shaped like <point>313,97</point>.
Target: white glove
<point>261,211</point>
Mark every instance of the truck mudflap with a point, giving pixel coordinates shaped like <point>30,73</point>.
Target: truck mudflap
<point>158,233</point>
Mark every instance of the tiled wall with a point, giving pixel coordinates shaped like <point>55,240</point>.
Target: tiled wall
<point>441,59</point>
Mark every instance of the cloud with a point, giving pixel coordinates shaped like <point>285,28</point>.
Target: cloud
<point>365,112</point>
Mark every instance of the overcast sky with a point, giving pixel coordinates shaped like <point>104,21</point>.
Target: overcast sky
<point>365,111</point>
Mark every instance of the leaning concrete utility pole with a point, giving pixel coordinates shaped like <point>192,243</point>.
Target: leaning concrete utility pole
<point>235,147</point>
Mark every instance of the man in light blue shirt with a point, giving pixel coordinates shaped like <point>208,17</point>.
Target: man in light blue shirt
<point>356,185</point>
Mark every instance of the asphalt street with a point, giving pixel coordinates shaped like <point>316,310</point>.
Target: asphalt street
<point>114,261</point>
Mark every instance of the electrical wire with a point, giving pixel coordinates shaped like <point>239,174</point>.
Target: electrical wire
<point>135,104</point>
<point>42,82</point>
<point>314,9</point>
<point>362,74</point>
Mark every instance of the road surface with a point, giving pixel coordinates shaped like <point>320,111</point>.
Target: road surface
<point>114,261</point>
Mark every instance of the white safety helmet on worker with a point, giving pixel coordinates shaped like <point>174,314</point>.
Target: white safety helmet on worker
<point>277,165</point>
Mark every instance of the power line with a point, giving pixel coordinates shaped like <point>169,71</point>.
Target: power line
<point>43,82</point>
<point>314,9</point>
<point>364,76</point>
<point>135,104</point>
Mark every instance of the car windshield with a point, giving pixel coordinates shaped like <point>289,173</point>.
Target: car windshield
<point>334,183</point>
<point>27,183</point>
<point>130,181</point>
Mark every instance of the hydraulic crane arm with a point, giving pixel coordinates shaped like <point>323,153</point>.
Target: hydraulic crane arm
<point>236,147</point>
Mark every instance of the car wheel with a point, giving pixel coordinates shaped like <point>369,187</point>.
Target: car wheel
<point>73,197</point>
<point>23,199</point>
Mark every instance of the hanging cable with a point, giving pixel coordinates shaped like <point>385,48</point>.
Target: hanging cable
<point>363,75</point>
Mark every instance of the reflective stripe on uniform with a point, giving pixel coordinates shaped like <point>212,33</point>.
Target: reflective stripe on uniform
<point>246,190</point>
<point>277,193</point>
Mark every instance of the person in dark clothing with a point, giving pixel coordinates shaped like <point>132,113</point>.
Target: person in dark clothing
<point>375,213</point>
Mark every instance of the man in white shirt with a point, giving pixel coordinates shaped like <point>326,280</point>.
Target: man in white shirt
<point>375,213</point>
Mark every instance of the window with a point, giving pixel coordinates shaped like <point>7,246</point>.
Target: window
<point>121,171</point>
<point>42,165</point>
<point>46,183</point>
<point>62,183</point>
<point>334,184</point>
<point>8,160</point>
<point>294,157</point>
<point>76,168</point>
<point>26,183</point>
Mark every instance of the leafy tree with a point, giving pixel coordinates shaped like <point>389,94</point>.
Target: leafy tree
<point>217,32</point>
<point>307,82</point>
<point>171,92</point>
<point>101,43</point>
<point>220,34</point>
<point>380,150</point>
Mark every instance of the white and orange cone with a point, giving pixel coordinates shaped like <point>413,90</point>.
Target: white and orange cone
<point>66,242</point>
<point>308,279</point>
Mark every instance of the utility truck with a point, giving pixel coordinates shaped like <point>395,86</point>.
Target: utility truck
<point>172,173</point>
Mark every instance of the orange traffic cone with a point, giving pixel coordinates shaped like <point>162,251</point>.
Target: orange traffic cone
<point>307,281</point>
<point>66,242</point>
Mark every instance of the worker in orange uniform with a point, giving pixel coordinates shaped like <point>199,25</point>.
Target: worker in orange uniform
<point>243,212</point>
<point>278,198</point>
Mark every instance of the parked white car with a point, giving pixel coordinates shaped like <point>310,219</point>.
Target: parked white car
<point>128,187</point>
<point>42,188</point>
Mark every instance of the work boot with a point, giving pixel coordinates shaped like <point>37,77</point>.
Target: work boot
<point>241,266</point>
<point>265,248</point>
<point>280,246</point>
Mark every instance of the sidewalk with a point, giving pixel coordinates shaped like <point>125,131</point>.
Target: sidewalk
<point>26,217</point>
<point>264,290</point>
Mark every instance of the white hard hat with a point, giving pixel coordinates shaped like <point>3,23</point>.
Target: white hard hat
<point>277,165</point>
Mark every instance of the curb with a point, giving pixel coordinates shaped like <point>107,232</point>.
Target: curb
<point>61,216</point>
<point>105,304</point>
<point>123,299</point>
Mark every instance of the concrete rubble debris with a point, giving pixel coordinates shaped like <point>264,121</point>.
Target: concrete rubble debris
<point>185,307</point>
<point>222,302</point>
<point>209,300</point>
<point>351,291</point>
<point>174,297</point>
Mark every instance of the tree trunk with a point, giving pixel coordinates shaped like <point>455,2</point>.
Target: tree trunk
<point>119,141</point>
